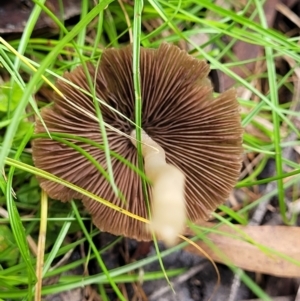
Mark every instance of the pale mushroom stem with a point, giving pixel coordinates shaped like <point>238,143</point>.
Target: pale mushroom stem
<point>168,208</point>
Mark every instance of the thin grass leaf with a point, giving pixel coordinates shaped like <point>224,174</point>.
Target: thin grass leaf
<point>15,221</point>
<point>96,252</point>
<point>276,121</point>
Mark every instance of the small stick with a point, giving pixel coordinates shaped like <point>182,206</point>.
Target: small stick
<point>41,246</point>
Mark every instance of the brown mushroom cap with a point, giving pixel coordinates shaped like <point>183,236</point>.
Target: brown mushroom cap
<point>201,135</point>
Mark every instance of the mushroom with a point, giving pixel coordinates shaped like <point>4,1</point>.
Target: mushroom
<point>194,138</point>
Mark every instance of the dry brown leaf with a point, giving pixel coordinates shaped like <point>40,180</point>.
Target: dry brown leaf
<point>247,256</point>
<point>15,13</point>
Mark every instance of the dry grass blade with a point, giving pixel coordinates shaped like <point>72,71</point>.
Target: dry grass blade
<point>41,246</point>
<point>288,13</point>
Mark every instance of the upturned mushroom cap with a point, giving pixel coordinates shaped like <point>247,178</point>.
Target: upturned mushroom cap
<point>201,135</point>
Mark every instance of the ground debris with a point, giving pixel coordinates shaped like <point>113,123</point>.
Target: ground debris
<point>14,15</point>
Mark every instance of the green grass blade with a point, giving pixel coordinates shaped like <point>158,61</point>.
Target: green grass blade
<point>16,223</point>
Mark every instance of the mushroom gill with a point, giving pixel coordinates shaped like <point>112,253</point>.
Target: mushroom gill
<point>200,135</point>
